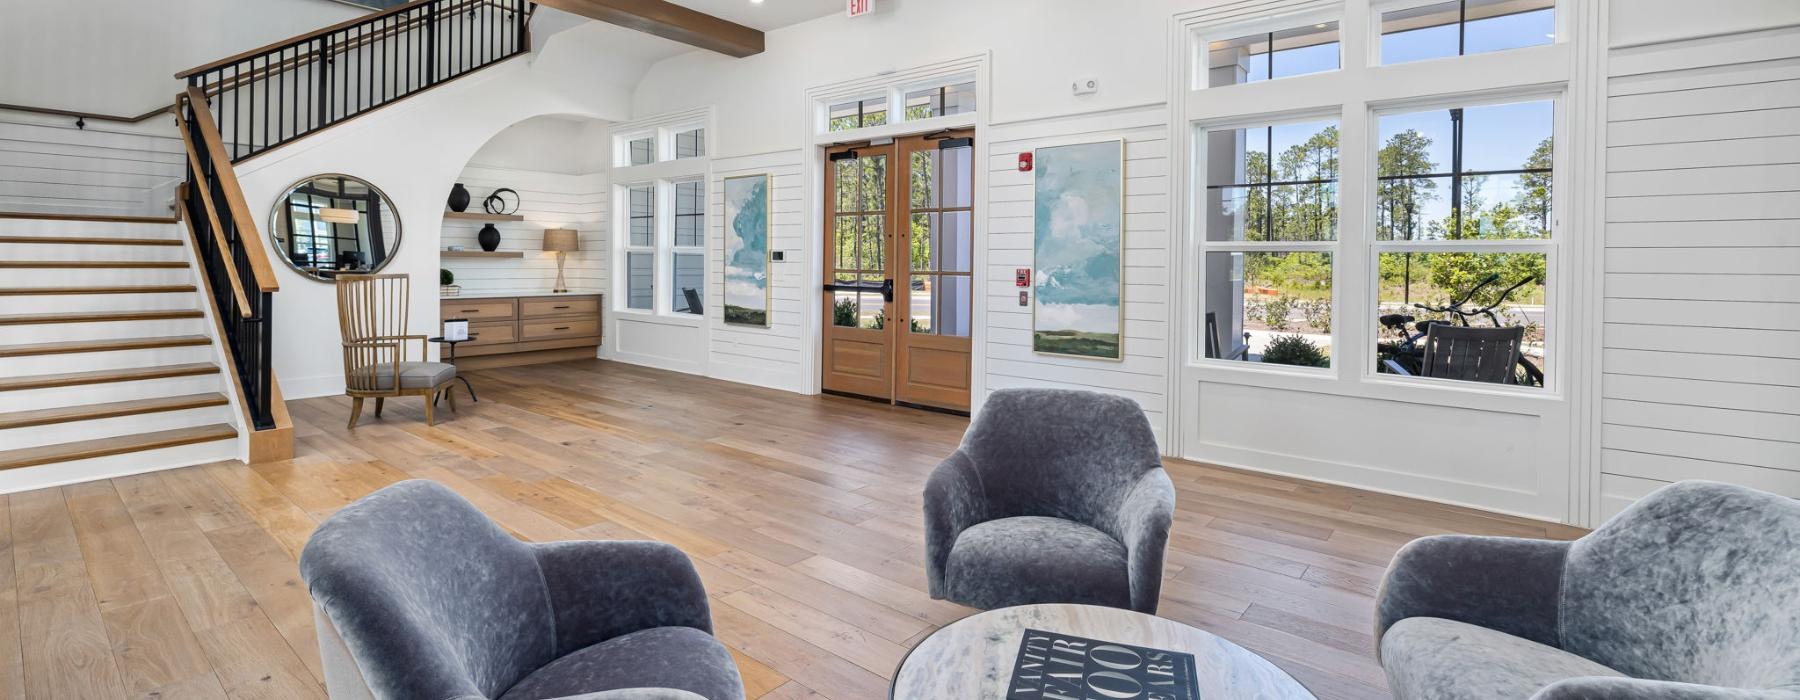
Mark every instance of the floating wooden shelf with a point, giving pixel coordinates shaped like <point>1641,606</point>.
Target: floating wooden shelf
<point>481,254</point>
<point>482,216</point>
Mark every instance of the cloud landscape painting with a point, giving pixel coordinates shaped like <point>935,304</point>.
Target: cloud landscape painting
<point>747,250</point>
<point>1078,219</point>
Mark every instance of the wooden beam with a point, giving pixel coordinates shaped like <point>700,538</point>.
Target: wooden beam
<point>669,21</point>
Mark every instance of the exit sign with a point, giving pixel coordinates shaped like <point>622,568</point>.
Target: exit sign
<point>857,8</point>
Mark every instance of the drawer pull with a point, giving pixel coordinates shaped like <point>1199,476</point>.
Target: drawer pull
<point>471,311</point>
<point>560,328</point>
<point>560,307</point>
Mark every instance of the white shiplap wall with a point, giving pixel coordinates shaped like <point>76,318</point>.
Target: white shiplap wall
<point>49,165</point>
<point>1143,373</point>
<point>1702,280</point>
<point>775,356</point>
<point>547,200</point>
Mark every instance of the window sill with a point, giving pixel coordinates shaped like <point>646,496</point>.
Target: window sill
<point>642,316</point>
<point>1415,390</point>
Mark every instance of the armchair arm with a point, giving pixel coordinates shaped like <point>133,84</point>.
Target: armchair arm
<point>1639,689</point>
<point>600,590</point>
<point>1505,584</point>
<point>1143,525</point>
<point>1395,368</point>
<point>954,501</point>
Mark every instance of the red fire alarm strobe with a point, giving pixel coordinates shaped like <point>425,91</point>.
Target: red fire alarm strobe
<point>1022,277</point>
<point>1025,162</point>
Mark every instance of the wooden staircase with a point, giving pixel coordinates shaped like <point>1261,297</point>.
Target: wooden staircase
<point>108,359</point>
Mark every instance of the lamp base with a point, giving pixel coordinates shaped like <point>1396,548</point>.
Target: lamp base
<point>561,285</point>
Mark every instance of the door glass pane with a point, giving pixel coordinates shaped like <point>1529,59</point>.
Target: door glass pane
<point>954,240</point>
<point>873,313</point>
<point>955,181</point>
<point>849,197</point>
<point>922,238</point>
<point>869,243</point>
<point>874,183</point>
<point>844,306</point>
<point>844,231</point>
<point>690,283</point>
<point>953,298</point>
<point>640,280</point>
<point>923,180</point>
<point>920,299</point>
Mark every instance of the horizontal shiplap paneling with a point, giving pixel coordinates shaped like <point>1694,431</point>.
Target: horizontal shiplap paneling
<point>1702,278</point>
<point>47,164</point>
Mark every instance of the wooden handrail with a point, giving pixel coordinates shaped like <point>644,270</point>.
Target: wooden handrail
<point>346,24</point>
<point>87,115</point>
<point>261,271</point>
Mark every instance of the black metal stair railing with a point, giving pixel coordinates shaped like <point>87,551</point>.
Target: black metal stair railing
<point>230,252</point>
<point>267,97</point>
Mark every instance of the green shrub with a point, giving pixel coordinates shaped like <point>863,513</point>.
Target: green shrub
<point>1317,313</point>
<point>1275,312</point>
<point>446,277</point>
<point>843,313</point>
<point>1295,349</point>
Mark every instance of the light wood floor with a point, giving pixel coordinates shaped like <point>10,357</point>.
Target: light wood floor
<point>802,514</point>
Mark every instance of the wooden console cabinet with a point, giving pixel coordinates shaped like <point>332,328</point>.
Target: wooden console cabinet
<point>525,330</point>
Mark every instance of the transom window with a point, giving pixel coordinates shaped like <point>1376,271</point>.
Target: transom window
<point>690,143</point>
<point>940,101</point>
<point>857,114</point>
<point>642,150</point>
<point>1462,27</point>
<point>1313,48</point>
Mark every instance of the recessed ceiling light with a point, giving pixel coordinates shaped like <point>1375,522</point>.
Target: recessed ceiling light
<point>756,2</point>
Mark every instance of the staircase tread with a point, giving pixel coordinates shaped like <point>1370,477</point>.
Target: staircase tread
<point>71,346</point>
<point>92,264</point>
<point>96,316</point>
<point>106,376</point>
<point>90,240</point>
<point>99,289</point>
<point>110,409</point>
<point>102,447</point>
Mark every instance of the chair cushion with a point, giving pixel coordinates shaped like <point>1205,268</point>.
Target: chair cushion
<point>414,375</point>
<point>1034,559</point>
<point>682,658</point>
<point>1429,658</point>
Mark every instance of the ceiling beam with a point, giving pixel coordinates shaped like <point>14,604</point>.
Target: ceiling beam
<point>669,21</point>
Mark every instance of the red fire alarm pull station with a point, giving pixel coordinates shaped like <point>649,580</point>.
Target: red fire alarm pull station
<point>1025,162</point>
<point>1022,277</point>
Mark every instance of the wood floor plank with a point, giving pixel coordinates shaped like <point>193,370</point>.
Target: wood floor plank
<point>801,515</point>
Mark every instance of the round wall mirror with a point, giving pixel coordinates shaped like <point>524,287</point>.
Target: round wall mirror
<point>330,224</point>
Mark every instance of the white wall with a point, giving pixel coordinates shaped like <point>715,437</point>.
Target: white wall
<point>120,57</point>
<point>415,151</point>
<point>1702,335</point>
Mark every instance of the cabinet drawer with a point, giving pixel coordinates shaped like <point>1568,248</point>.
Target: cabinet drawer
<point>584,306</point>
<point>547,329</point>
<point>478,309</point>
<point>492,333</point>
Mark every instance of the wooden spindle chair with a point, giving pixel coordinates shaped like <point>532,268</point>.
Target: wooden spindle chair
<point>372,317</point>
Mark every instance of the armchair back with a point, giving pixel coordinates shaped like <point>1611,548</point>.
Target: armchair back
<point>1698,582</point>
<point>431,598</point>
<point>1058,453</point>
<point>372,318</point>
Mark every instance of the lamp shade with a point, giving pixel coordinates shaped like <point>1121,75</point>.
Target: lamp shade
<point>339,216</point>
<point>562,240</point>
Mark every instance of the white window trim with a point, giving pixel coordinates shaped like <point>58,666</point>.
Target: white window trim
<point>1358,88</point>
<point>661,176</point>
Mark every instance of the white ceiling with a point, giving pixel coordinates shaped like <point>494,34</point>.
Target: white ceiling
<point>770,14</point>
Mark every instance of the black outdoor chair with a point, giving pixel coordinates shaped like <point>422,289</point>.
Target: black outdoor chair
<point>693,300</point>
<point>1241,352</point>
<point>1468,353</point>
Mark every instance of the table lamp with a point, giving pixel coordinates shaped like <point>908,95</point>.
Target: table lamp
<point>561,240</point>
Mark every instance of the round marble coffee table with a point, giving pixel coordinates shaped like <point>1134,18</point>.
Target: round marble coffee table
<point>973,658</point>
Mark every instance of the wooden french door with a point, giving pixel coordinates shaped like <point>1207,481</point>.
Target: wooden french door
<point>899,282</point>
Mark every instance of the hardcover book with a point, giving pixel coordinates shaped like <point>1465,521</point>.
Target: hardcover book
<point>1053,666</point>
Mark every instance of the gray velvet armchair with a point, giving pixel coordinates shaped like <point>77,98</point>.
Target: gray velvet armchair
<point>1692,593</point>
<point>1055,496</point>
<point>417,595</point>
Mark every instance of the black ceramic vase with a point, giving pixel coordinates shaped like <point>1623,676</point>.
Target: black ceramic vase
<point>489,238</point>
<point>459,198</point>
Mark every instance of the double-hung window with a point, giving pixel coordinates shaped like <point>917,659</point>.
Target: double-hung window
<point>640,247</point>
<point>661,210</point>
<point>1271,222</point>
